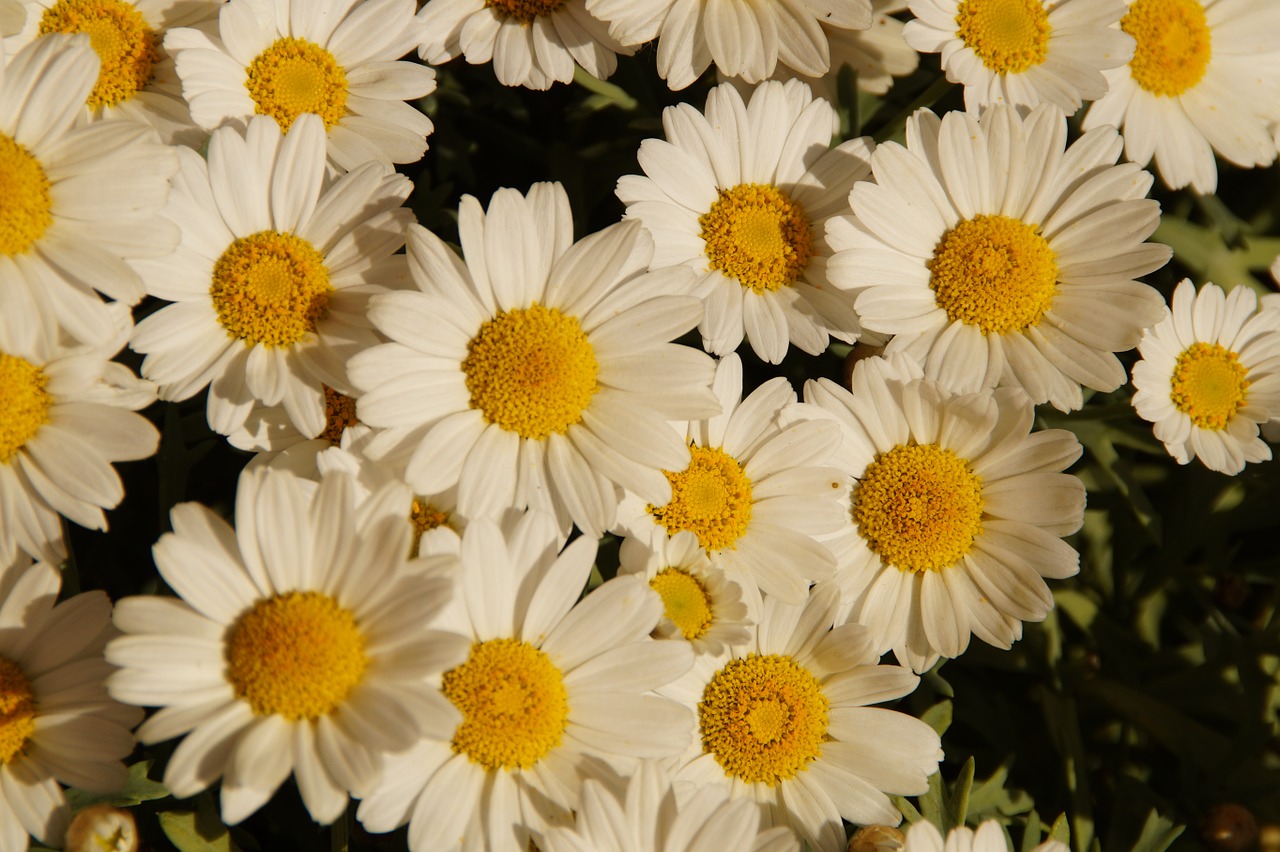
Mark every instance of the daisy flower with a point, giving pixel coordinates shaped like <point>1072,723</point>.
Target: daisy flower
<point>68,416</point>
<point>989,837</point>
<point>756,493</point>
<point>1204,78</point>
<point>784,721</point>
<point>537,372</point>
<point>741,196</point>
<point>1023,52</point>
<point>274,275</point>
<point>297,645</point>
<point>81,202</point>
<point>743,38</point>
<point>58,724</point>
<point>959,512</point>
<point>331,58</point>
<point>551,686</point>
<point>270,433</point>
<point>995,257</point>
<point>1209,375</point>
<point>13,15</point>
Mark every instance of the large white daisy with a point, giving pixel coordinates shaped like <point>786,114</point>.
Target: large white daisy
<point>996,257</point>
<point>274,274</point>
<point>741,196</point>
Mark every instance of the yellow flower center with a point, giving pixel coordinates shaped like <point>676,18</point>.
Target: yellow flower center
<point>294,76</point>
<point>757,236</point>
<point>919,506</point>
<point>339,414</point>
<point>17,710</point>
<point>25,201</point>
<point>524,11</point>
<point>1009,36</point>
<point>532,371</point>
<point>1209,385</point>
<point>424,517</point>
<point>297,655</point>
<point>764,718</point>
<point>513,702</point>
<point>270,288</point>
<point>710,498</point>
<point>126,46</point>
<point>994,272</point>
<point>24,404</point>
<point>685,601</point>
<point>1174,44</point>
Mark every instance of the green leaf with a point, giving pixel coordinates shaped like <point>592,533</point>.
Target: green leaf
<point>1157,835</point>
<point>933,804</point>
<point>938,716</point>
<point>990,798</point>
<point>137,788</point>
<point>1061,830</point>
<point>198,831</point>
<point>1031,834</point>
<point>958,801</point>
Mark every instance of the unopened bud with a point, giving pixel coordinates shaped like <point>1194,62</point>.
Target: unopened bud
<point>102,828</point>
<point>877,838</point>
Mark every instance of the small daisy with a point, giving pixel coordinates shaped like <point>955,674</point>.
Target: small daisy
<point>959,512</point>
<point>57,723</point>
<point>755,493</point>
<point>80,201</point>
<point>274,274</point>
<point>989,837</point>
<point>741,196</point>
<point>1209,375</point>
<point>538,372</point>
<point>297,645</point>
<point>1023,52</point>
<point>270,433</point>
<point>784,721</point>
<point>1205,78</point>
<point>995,257</point>
<point>68,416</point>
<point>331,58</point>
<point>551,687</point>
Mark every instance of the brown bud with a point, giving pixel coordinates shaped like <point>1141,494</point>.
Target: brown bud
<point>102,828</point>
<point>877,838</point>
<point>1228,827</point>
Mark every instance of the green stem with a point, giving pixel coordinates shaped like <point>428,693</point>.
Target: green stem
<point>615,94</point>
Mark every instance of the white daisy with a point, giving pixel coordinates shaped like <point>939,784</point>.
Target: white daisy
<point>784,721</point>
<point>331,58</point>
<point>741,196</point>
<point>989,837</point>
<point>1205,78</point>
<point>756,493</point>
<point>551,686</point>
<point>80,202</point>
<point>1209,375</point>
<point>57,723</point>
<point>298,645</point>
<point>995,257</point>
<point>1023,52</point>
<point>538,372</point>
<point>13,16</point>
<point>270,433</point>
<point>68,416</point>
<point>274,274</point>
<point>959,512</point>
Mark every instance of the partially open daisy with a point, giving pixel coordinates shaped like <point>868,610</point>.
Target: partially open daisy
<point>1023,52</point>
<point>274,274</point>
<point>539,373</point>
<point>959,511</point>
<point>551,685</point>
<point>1209,375</point>
<point>298,645</point>
<point>784,721</point>
<point>57,723</point>
<point>80,202</point>
<point>995,257</point>
<point>741,196</point>
<point>1204,78</point>
<point>989,837</point>
<point>331,58</point>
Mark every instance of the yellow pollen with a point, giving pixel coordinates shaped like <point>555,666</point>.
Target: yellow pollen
<point>424,517</point>
<point>17,710</point>
<point>994,272</point>
<point>1174,44</point>
<point>297,655</point>
<point>24,404</point>
<point>710,498</point>
<point>532,371</point>
<point>1009,36</point>
<point>513,702</point>
<point>764,718</point>
<point>524,11</point>
<point>685,601</point>
<point>1209,385</point>
<point>919,506</point>
<point>270,288</point>
<point>25,201</point>
<point>757,236</point>
<point>126,46</point>
<point>339,414</point>
<point>294,76</point>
